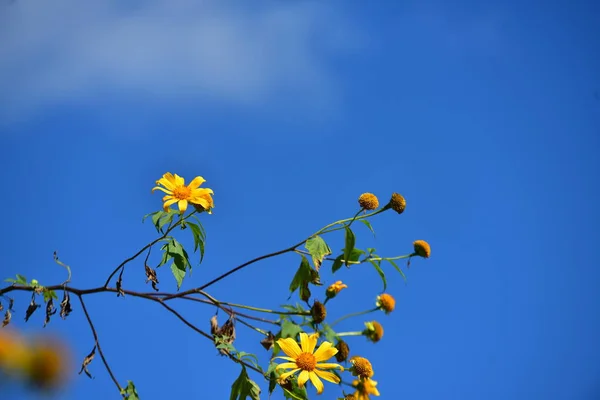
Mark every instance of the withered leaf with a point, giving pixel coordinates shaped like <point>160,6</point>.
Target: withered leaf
<point>7,317</point>
<point>31,309</point>
<point>11,303</point>
<point>1,306</point>
<point>267,342</point>
<point>120,291</point>
<point>86,361</point>
<point>151,276</point>
<point>65,306</point>
<point>50,310</point>
<point>225,334</point>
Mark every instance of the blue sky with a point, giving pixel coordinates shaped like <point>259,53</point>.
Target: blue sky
<point>485,116</point>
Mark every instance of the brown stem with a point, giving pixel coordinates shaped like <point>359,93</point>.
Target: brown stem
<point>87,315</point>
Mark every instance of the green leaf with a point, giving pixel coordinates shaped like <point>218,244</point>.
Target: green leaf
<point>156,219</point>
<point>10,280</point>
<point>397,268</point>
<point>250,358</point>
<point>350,241</point>
<point>21,280</point>
<point>167,219</point>
<point>244,387</point>
<point>377,266</point>
<point>130,392</point>
<point>302,275</point>
<point>272,378</point>
<point>297,308</point>
<point>289,329</point>
<point>178,273</point>
<point>318,250</point>
<point>50,294</point>
<point>198,238</point>
<point>329,333</point>
<point>368,224</point>
<point>337,264</point>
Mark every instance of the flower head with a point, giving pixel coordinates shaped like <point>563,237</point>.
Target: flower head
<point>343,351</point>
<point>318,312</point>
<point>397,203</point>
<point>422,248</point>
<point>49,365</point>
<point>303,358</point>
<point>361,367</point>
<point>364,388</point>
<point>386,302</point>
<point>373,331</point>
<point>177,192</point>
<point>368,201</point>
<point>334,289</point>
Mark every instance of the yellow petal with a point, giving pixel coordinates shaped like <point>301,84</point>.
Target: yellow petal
<point>302,378</point>
<point>289,373</point>
<point>161,189</point>
<point>168,203</point>
<point>325,352</point>
<point>197,181</point>
<point>286,358</point>
<point>307,342</point>
<point>182,205</point>
<point>167,181</point>
<point>178,181</point>
<point>203,202</point>
<point>330,366</point>
<point>289,347</point>
<point>328,376</point>
<point>288,365</point>
<point>316,381</point>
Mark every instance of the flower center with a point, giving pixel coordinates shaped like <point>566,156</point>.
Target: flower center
<point>306,362</point>
<point>182,192</point>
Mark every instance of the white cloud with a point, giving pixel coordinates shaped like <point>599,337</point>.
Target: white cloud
<point>242,52</point>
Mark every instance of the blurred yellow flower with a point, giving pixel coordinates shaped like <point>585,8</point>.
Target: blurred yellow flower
<point>364,388</point>
<point>177,192</point>
<point>334,289</point>
<point>422,248</point>
<point>303,358</point>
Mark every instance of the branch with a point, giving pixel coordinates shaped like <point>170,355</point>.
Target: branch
<point>87,315</point>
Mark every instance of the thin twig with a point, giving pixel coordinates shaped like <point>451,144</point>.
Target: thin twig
<point>87,315</point>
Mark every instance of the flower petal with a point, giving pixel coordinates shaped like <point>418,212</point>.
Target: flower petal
<point>308,342</point>
<point>325,352</point>
<point>178,181</point>
<point>329,366</point>
<point>328,376</point>
<point>197,181</point>
<point>287,365</point>
<point>168,203</point>
<point>316,381</point>
<point>182,205</point>
<point>286,358</point>
<point>302,378</point>
<point>161,189</point>
<point>288,374</point>
<point>289,347</point>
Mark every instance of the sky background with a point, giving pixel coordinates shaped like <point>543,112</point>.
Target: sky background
<point>484,115</point>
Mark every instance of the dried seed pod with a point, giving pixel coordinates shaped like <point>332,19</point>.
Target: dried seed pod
<point>86,361</point>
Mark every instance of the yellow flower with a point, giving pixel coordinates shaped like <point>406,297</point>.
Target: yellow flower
<point>422,248</point>
<point>368,201</point>
<point>49,365</point>
<point>301,358</point>
<point>361,367</point>
<point>386,302</point>
<point>364,388</point>
<point>334,289</point>
<point>178,192</point>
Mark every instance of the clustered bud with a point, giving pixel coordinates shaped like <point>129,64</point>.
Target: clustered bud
<point>318,312</point>
<point>368,201</point>
<point>386,302</point>
<point>343,351</point>
<point>397,203</point>
<point>422,248</point>
<point>361,367</point>
<point>373,331</point>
